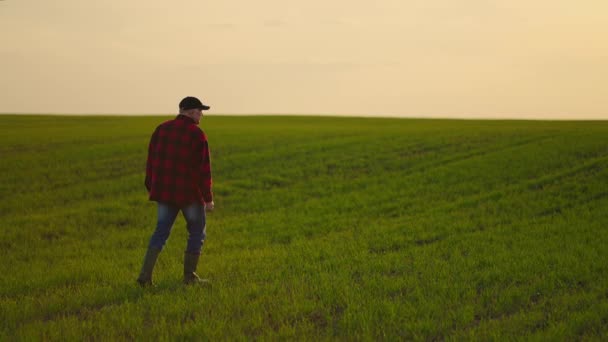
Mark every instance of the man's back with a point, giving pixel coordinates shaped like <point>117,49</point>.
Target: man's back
<point>178,168</point>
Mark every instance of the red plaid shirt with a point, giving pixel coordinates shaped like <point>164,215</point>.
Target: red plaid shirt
<point>178,170</point>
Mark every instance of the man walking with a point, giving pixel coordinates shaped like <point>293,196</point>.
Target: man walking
<point>178,178</point>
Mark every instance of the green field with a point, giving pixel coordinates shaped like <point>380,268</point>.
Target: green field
<point>325,228</point>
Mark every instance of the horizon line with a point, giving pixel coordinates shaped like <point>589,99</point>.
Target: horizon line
<point>328,115</point>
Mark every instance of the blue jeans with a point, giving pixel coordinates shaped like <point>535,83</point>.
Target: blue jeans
<point>195,222</point>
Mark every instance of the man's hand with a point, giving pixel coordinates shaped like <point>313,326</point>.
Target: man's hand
<point>209,206</point>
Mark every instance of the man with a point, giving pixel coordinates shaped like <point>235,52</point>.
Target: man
<point>178,178</point>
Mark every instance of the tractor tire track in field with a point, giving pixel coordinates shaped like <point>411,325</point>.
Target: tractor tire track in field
<point>397,247</point>
<point>558,210</point>
<point>588,169</point>
<point>414,172</point>
<point>534,302</point>
<point>357,182</point>
<point>532,185</point>
<point>424,167</point>
<point>474,154</point>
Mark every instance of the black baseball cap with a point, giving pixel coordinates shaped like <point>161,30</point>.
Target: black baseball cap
<point>191,102</point>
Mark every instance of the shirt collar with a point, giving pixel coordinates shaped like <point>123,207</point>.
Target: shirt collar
<point>184,117</point>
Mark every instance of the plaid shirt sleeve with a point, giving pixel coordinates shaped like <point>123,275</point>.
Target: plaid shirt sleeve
<point>203,165</point>
<point>149,162</point>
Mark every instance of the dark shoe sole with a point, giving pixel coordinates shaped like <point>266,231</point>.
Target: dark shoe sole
<point>144,283</point>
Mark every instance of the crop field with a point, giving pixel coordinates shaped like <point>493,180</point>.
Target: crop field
<point>325,228</point>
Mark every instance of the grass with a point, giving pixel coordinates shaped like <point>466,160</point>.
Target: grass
<point>325,228</point>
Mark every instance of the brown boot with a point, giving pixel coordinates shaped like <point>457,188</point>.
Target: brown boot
<point>145,276</point>
<point>190,277</point>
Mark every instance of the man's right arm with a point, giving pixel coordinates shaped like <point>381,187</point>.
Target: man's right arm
<point>150,161</point>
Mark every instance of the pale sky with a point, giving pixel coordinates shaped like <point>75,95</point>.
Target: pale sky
<point>417,58</point>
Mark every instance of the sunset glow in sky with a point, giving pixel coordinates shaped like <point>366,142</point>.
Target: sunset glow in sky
<point>422,58</point>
